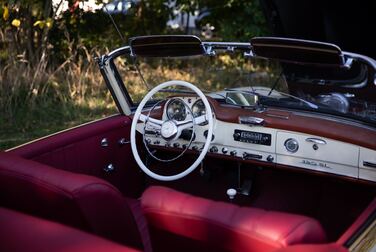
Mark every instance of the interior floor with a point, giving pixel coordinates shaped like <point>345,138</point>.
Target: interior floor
<point>334,202</point>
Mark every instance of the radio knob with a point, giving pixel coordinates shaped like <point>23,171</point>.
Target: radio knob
<point>236,136</point>
<point>270,158</point>
<point>213,149</point>
<point>176,145</point>
<point>195,148</point>
<point>224,150</point>
<point>233,153</point>
<point>184,146</point>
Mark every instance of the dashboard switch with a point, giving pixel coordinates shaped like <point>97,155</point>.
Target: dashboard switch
<point>270,158</point>
<point>213,149</point>
<point>233,153</point>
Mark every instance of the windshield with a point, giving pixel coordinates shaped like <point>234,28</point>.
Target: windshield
<point>242,81</point>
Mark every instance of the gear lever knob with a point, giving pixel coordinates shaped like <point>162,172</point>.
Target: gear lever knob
<point>231,193</point>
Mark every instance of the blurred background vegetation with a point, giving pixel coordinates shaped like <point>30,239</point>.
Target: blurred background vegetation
<point>49,79</point>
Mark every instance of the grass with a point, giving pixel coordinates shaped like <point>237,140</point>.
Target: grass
<point>42,99</point>
<point>48,118</point>
<point>37,100</point>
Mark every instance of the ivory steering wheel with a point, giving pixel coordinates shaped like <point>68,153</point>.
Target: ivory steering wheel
<point>171,129</point>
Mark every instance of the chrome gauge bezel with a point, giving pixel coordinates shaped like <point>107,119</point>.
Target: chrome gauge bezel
<point>195,104</point>
<point>170,116</point>
<point>288,146</point>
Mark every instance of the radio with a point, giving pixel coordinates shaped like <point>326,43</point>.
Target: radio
<point>252,137</point>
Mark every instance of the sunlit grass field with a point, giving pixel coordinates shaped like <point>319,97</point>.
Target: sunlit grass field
<point>36,101</point>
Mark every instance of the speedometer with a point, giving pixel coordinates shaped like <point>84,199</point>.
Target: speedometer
<point>176,110</point>
<point>198,109</point>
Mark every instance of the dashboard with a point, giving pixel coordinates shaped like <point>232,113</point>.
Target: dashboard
<point>273,138</point>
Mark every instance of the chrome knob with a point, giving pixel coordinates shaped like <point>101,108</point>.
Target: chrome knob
<point>224,150</point>
<point>233,153</point>
<point>213,149</point>
<point>123,141</point>
<point>104,142</point>
<point>270,158</point>
<point>231,193</point>
<point>176,145</point>
<point>195,148</point>
<point>109,168</point>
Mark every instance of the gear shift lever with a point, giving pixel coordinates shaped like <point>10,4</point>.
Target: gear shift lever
<point>231,193</point>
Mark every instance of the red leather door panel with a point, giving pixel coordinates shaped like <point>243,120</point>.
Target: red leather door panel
<point>79,150</point>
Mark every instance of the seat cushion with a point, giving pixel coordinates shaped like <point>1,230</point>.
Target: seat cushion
<point>225,225</point>
<point>21,232</point>
<point>81,201</point>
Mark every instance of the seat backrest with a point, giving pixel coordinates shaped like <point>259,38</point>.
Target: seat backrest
<point>21,232</point>
<point>177,218</point>
<point>81,201</point>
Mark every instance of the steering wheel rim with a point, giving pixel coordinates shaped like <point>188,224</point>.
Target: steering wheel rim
<point>137,116</point>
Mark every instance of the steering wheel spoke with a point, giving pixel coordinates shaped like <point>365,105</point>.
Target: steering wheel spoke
<point>151,121</point>
<point>189,124</point>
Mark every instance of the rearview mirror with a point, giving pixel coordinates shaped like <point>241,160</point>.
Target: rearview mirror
<point>166,46</point>
<point>240,98</point>
<point>299,51</point>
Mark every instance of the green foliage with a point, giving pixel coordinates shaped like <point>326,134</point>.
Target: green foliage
<point>48,77</point>
<point>235,20</point>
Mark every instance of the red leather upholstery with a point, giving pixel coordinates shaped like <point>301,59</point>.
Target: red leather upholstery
<point>331,247</point>
<point>20,232</point>
<point>224,225</point>
<point>78,200</point>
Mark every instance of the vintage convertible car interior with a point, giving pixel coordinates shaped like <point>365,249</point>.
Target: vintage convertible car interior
<point>262,146</point>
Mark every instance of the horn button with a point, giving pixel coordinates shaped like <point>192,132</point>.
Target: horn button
<point>169,130</point>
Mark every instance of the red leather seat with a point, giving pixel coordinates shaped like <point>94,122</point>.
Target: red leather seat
<point>81,201</point>
<point>20,232</point>
<point>225,226</point>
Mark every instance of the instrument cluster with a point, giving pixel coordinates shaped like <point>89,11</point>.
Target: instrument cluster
<point>180,108</point>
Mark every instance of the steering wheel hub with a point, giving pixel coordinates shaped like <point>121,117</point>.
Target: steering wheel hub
<point>169,130</point>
